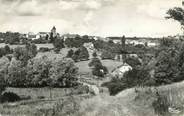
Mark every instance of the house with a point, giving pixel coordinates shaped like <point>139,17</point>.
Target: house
<point>31,36</point>
<point>121,70</point>
<point>42,35</point>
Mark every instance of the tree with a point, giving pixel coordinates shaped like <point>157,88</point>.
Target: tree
<point>4,63</point>
<point>16,74</point>
<point>97,68</point>
<point>177,14</point>
<point>25,53</point>
<point>166,69</point>
<point>107,55</point>
<point>63,73</point>
<point>83,53</point>
<point>58,44</point>
<point>38,71</point>
<point>70,54</point>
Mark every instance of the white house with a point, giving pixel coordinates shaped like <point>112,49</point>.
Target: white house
<point>31,36</point>
<point>42,35</point>
<point>121,70</point>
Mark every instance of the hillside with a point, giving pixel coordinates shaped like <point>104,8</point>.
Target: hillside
<point>131,103</point>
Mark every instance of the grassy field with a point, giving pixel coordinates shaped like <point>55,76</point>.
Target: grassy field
<point>110,64</point>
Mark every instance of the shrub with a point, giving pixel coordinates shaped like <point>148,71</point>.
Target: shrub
<point>16,74</point>
<point>56,72</point>
<point>44,49</point>
<point>107,55</point>
<point>63,73</point>
<point>2,84</point>
<point>115,86</point>
<point>133,61</point>
<point>9,97</point>
<point>97,68</point>
<point>38,71</point>
<point>58,44</point>
<point>70,54</point>
<point>83,53</point>
<point>161,105</point>
<point>25,53</point>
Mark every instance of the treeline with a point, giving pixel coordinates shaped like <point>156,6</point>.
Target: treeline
<point>25,69</point>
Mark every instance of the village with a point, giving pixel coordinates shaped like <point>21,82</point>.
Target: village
<point>91,58</point>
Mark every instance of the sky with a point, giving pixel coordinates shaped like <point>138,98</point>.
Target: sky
<point>143,18</point>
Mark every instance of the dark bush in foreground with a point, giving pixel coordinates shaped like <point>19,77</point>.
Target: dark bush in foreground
<point>115,86</point>
<point>9,97</point>
<point>161,105</point>
<point>44,49</point>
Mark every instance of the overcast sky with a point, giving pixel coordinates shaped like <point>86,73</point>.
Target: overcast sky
<point>94,17</point>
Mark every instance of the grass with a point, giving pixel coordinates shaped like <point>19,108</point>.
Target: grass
<point>110,64</point>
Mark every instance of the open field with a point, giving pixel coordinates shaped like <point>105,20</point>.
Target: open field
<point>110,64</point>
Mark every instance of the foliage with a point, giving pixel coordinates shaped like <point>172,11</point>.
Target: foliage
<point>70,53</point>
<point>5,50</point>
<point>77,41</point>
<point>25,53</point>
<point>107,55</point>
<point>177,14</point>
<point>38,71</point>
<point>97,68</point>
<point>39,41</point>
<point>58,44</point>
<point>57,72</point>
<point>16,74</point>
<point>2,84</point>
<point>83,53</point>
<point>166,68</point>
<point>12,38</point>
<point>63,73</point>
<point>80,54</point>
<point>44,49</point>
<point>138,76</point>
<point>161,105</point>
<point>9,97</point>
<point>132,61</point>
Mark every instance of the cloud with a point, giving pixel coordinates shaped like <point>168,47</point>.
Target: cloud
<point>101,17</point>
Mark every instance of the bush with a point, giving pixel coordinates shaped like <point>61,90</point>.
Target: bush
<point>115,86</point>
<point>107,55</point>
<point>83,54</point>
<point>70,54</point>
<point>56,72</point>
<point>58,44</point>
<point>63,73</point>
<point>97,68</point>
<point>133,61</point>
<point>44,49</point>
<point>16,76</point>
<point>25,53</point>
<point>9,97</point>
<point>161,105</point>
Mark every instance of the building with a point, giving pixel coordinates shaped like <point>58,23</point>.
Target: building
<point>31,36</point>
<point>53,31</point>
<point>42,35</point>
<point>121,70</point>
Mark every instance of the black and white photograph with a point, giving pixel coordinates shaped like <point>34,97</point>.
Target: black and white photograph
<point>91,57</point>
